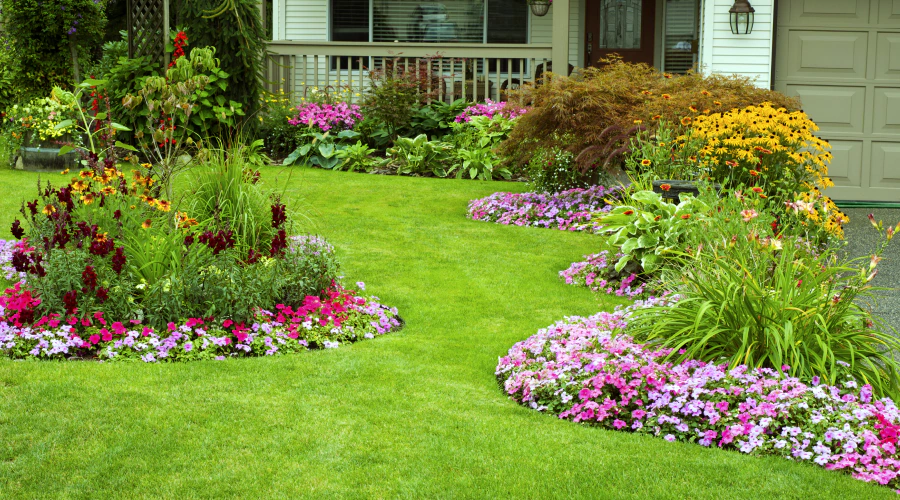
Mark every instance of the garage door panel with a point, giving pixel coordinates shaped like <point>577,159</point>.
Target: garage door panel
<point>845,168</point>
<point>834,109</point>
<point>889,13</point>
<point>829,12</point>
<point>887,61</point>
<point>887,111</point>
<point>825,54</point>
<point>886,165</point>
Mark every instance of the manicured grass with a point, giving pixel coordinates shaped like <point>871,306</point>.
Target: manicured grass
<point>412,414</point>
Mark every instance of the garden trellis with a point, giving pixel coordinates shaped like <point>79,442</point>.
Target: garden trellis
<point>148,29</point>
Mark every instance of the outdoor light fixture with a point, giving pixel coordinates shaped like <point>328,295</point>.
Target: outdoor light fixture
<point>540,7</point>
<point>741,14</point>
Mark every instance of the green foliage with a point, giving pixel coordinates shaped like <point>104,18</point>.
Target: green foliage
<point>653,229</point>
<point>40,32</point>
<point>122,76</point>
<point>235,29</point>
<point>321,149</point>
<point>474,142</point>
<point>8,90</point>
<point>213,114</point>
<point>662,154</point>
<point>280,137</point>
<point>357,157</point>
<point>224,194</point>
<point>554,170</point>
<point>420,156</point>
<point>769,303</point>
<point>391,100</point>
<point>436,119</point>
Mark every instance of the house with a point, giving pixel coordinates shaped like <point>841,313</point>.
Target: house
<point>841,57</point>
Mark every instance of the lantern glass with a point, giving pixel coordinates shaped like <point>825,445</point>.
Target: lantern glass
<point>742,23</point>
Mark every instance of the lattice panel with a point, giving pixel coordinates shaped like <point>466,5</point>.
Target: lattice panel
<point>148,29</point>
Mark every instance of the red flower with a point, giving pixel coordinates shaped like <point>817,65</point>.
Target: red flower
<point>102,294</point>
<point>628,212</point>
<point>70,301</point>
<point>94,339</point>
<point>665,187</point>
<point>89,277</point>
<point>17,230</point>
<point>686,216</point>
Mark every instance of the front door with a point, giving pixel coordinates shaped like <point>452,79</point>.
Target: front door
<point>624,27</point>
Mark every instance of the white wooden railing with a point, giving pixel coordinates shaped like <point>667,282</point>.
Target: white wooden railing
<point>449,71</point>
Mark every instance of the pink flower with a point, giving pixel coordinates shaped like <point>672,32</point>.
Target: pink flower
<point>618,424</point>
<point>94,339</point>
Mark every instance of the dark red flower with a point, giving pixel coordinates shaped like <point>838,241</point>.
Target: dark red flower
<point>70,300</point>
<point>102,294</point>
<point>89,277</point>
<point>118,260</point>
<point>17,230</point>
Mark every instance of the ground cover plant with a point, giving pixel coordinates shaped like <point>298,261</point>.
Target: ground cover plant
<point>417,413</point>
<point>586,370</point>
<point>570,210</point>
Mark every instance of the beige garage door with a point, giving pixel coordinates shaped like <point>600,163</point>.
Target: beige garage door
<point>842,58</point>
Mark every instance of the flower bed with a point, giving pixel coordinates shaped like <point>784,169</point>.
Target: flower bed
<point>567,210</point>
<point>342,316</point>
<point>586,370</point>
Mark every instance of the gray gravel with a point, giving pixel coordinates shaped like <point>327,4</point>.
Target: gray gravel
<point>862,240</point>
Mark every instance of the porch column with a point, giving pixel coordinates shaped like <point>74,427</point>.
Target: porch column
<point>560,38</point>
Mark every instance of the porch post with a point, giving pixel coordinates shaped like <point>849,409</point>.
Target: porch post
<point>560,39</point>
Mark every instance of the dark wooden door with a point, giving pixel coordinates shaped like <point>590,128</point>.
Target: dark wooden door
<point>624,27</point>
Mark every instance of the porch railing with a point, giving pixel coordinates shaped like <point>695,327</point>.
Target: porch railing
<point>447,72</point>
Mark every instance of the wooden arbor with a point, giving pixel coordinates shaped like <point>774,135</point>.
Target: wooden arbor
<point>148,29</point>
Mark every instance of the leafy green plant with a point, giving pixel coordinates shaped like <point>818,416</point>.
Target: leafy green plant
<point>357,157</point>
<point>43,37</point>
<point>653,229</point>
<point>223,194</point>
<point>553,170</point>
<point>419,156</point>
<point>479,162</point>
<point>663,154</point>
<point>320,148</point>
<point>777,304</point>
<point>436,118</point>
<point>235,29</point>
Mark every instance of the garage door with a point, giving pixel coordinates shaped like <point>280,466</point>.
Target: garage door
<point>842,58</point>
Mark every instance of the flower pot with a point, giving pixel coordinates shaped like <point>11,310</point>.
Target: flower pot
<point>45,156</point>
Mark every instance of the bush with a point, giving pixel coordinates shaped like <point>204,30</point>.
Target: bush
<point>553,170</point>
<point>279,136</point>
<point>603,106</point>
<point>235,29</point>
<point>40,32</point>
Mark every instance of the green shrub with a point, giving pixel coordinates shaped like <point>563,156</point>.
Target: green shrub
<point>235,29</point>
<point>40,33</point>
<point>280,137</point>
<point>603,107</point>
<point>419,156</point>
<point>553,170</point>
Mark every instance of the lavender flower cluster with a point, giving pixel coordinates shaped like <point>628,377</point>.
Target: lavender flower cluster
<point>586,370</point>
<point>489,109</point>
<point>567,210</point>
<point>340,116</point>
<point>6,269</point>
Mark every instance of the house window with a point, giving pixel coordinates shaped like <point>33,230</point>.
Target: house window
<point>421,21</point>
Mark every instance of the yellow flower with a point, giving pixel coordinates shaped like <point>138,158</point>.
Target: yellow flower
<point>147,224</point>
<point>49,209</point>
<point>87,198</point>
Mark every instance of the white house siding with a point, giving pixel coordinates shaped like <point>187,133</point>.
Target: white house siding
<point>542,30</point>
<point>306,20</point>
<point>747,55</point>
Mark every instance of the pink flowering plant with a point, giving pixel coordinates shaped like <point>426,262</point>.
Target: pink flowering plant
<point>589,370</point>
<point>597,273</point>
<point>343,316</point>
<point>572,210</point>
<point>325,117</point>
<point>491,109</point>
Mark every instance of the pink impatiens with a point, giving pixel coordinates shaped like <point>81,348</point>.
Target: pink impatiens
<point>490,109</point>
<point>340,116</point>
<point>587,370</point>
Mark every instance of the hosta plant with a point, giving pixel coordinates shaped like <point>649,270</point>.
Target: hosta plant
<point>419,156</point>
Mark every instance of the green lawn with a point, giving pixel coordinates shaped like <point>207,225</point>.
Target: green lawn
<point>412,414</point>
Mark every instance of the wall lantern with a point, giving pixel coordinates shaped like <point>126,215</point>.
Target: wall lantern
<point>741,14</point>
<point>540,7</point>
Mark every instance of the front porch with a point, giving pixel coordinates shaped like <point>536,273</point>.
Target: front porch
<point>458,50</point>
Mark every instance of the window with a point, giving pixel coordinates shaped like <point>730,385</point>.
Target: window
<point>447,21</point>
